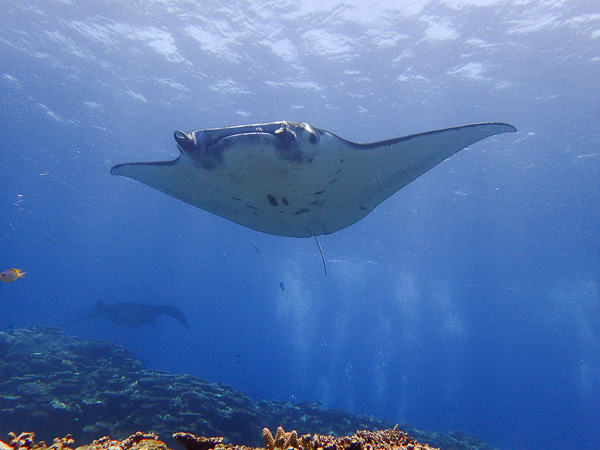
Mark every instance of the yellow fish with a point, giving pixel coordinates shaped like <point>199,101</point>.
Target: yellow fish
<point>11,275</point>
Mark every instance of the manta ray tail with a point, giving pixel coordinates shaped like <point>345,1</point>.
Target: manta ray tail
<point>322,256</point>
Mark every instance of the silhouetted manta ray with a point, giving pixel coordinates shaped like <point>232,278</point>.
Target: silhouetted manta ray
<point>130,314</point>
<point>292,179</point>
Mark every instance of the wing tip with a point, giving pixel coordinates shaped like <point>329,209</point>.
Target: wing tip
<point>508,128</point>
<point>116,170</point>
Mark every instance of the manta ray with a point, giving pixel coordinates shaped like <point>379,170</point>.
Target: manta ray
<point>131,314</point>
<point>292,179</point>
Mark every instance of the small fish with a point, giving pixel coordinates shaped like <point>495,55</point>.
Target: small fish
<point>282,286</point>
<point>11,275</point>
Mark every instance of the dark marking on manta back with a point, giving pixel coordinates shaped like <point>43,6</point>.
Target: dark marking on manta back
<point>272,200</point>
<point>302,211</point>
<point>285,201</point>
<point>318,192</point>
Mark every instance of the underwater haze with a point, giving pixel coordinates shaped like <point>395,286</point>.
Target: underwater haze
<point>468,301</point>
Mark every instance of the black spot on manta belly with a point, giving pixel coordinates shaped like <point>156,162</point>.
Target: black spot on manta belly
<point>362,207</point>
<point>302,211</point>
<point>333,181</point>
<point>318,192</point>
<point>285,201</point>
<point>272,200</point>
<point>250,206</point>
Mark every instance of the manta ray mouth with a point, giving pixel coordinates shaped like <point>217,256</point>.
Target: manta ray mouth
<point>206,148</point>
<point>287,133</point>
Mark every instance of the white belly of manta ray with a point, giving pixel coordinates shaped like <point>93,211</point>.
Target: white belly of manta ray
<point>292,179</point>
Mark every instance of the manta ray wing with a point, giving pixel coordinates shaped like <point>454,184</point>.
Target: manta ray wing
<point>291,179</point>
<point>174,312</point>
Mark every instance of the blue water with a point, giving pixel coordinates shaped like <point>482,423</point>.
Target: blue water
<point>467,301</point>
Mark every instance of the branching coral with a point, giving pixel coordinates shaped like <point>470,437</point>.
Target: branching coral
<point>282,439</point>
<point>136,438</point>
<point>26,441</point>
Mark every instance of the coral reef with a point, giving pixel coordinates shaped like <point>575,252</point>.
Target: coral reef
<point>137,441</point>
<point>51,383</point>
<point>391,439</point>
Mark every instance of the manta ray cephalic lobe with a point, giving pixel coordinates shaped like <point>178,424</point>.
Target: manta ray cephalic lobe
<point>292,179</point>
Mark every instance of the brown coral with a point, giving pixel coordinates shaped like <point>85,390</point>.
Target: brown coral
<point>137,441</point>
<point>268,438</point>
<point>23,441</point>
<point>26,441</point>
<point>282,439</point>
<point>193,442</point>
<point>392,439</point>
<point>65,443</point>
<point>138,437</point>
